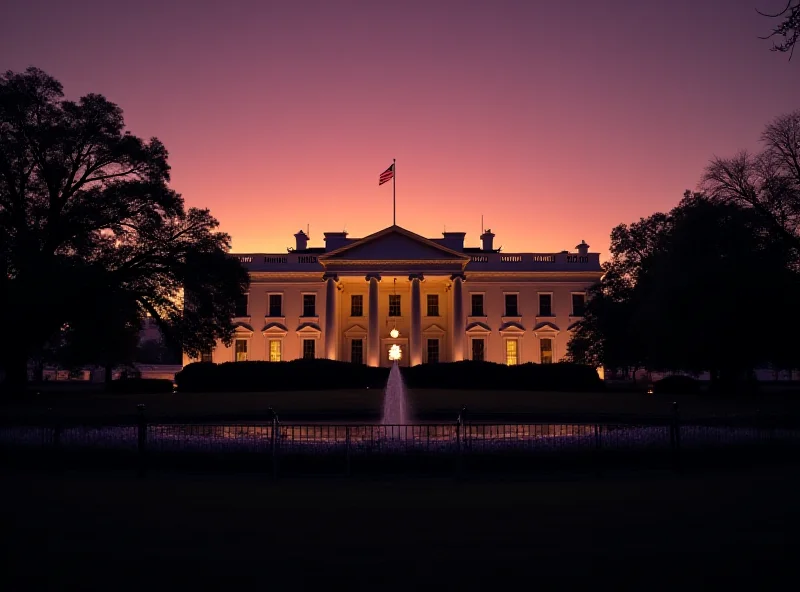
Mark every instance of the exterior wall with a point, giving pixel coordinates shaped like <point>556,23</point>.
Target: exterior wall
<point>396,255</point>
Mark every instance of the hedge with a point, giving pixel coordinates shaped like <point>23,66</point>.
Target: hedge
<point>140,385</point>
<point>320,374</point>
<point>469,375</point>
<point>297,375</point>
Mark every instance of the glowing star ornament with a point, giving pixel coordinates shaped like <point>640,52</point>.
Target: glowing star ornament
<point>395,353</point>
<point>394,333</point>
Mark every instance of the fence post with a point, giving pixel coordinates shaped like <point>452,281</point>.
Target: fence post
<point>275,442</point>
<point>459,435</point>
<point>141,432</point>
<point>598,446</point>
<point>347,450</point>
<point>675,437</point>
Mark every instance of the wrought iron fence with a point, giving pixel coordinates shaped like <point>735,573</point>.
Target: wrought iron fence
<point>286,446</point>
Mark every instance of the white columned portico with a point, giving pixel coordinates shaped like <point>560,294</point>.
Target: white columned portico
<point>458,319</point>
<point>415,338</point>
<point>331,310</point>
<point>373,335</point>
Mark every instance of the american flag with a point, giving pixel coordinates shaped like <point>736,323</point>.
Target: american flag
<point>386,175</point>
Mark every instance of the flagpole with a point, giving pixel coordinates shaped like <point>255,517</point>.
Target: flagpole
<point>394,202</point>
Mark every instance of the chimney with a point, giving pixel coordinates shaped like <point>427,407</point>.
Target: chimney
<point>583,248</point>
<point>302,241</point>
<point>335,240</point>
<point>486,239</point>
<point>453,240</point>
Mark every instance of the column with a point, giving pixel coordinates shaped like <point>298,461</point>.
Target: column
<point>331,311</point>
<point>457,354</point>
<point>415,338</point>
<point>373,335</point>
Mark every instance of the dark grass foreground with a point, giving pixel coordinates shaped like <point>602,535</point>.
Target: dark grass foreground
<point>630,531</point>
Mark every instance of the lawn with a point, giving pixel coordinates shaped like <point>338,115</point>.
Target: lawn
<point>632,531</point>
<point>358,405</point>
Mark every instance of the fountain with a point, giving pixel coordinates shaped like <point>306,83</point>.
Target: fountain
<point>395,405</point>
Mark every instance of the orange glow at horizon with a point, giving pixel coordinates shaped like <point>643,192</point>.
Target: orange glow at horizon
<point>282,115</point>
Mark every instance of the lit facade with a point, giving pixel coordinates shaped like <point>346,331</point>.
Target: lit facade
<point>447,302</point>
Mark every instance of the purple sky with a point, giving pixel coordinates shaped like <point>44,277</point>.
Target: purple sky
<point>555,120</point>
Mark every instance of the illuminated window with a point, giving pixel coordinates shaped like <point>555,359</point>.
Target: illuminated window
<point>394,305</point>
<point>309,305</point>
<point>545,305</point>
<point>357,305</point>
<point>512,310</point>
<point>275,305</point>
<point>433,351</point>
<point>478,349</point>
<point>511,351</point>
<point>206,356</point>
<point>274,350</point>
<point>357,351</point>
<point>433,305</point>
<point>241,306</point>
<point>240,347</point>
<point>477,305</point>
<point>546,350</point>
<point>578,304</point>
<point>309,348</point>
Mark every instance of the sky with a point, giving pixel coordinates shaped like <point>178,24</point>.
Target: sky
<point>554,120</point>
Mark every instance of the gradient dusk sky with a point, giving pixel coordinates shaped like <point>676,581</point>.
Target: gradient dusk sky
<point>554,119</point>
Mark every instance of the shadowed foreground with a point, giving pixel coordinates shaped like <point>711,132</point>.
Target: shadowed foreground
<point>639,531</point>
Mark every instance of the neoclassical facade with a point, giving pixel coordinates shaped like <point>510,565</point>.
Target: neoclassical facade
<point>438,300</point>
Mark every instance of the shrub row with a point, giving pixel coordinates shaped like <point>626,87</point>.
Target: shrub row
<point>140,385</point>
<point>321,374</point>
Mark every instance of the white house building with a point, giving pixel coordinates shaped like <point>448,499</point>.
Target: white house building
<point>438,300</point>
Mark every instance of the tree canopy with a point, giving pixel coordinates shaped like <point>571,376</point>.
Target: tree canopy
<point>788,27</point>
<point>688,290</point>
<point>92,233</point>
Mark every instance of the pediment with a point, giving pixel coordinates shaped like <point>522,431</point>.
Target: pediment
<point>275,329</point>
<point>308,329</point>
<point>434,329</point>
<point>356,331</point>
<point>478,328</point>
<point>546,327</point>
<point>242,328</point>
<point>512,327</point>
<point>394,244</point>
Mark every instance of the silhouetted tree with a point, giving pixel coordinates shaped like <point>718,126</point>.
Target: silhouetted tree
<point>788,27</point>
<point>686,291</point>
<point>79,194</point>
<point>768,182</point>
<point>155,351</point>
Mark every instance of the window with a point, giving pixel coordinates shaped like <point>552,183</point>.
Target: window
<point>241,306</point>
<point>309,305</point>
<point>274,350</point>
<point>394,305</point>
<point>357,305</point>
<point>478,348</point>
<point>477,305</point>
<point>433,305</point>
<point>206,356</point>
<point>241,350</point>
<point>309,348</point>
<point>511,305</point>
<point>357,351</point>
<point>546,350</point>
<point>545,305</point>
<point>578,304</point>
<point>433,351</point>
<point>275,305</point>
<point>512,347</point>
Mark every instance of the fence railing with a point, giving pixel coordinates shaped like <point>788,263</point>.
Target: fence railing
<point>462,445</point>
